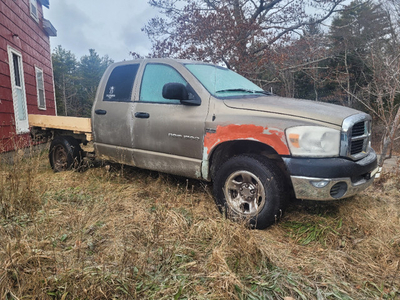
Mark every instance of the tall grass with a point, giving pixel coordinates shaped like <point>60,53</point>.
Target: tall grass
<point>18,188</point>
<point>121,233</point>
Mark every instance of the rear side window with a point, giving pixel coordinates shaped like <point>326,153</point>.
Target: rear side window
<point>120,83</point>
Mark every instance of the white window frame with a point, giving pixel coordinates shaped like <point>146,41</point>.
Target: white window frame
<point>18,92</point>
<point>39,87</point>
<point>33,8</point>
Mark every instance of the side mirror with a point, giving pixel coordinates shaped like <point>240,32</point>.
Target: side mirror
<point>178,91</point>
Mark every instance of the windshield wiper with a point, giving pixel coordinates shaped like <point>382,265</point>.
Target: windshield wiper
<point>243,90</point>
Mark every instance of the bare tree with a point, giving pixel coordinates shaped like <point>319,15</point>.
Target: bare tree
<point>353,32</point>
<point>239,33</point>
<point>382,95</point>
<point>368,62</point>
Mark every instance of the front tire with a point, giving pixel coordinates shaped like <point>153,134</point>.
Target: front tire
<point>250,188</point>
<point>65,153</point>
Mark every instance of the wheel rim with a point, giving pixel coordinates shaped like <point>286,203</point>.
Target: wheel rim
<point>244,193</point>
<point>60,158</point>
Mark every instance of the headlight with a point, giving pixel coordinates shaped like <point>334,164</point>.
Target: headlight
<point>313,141</point>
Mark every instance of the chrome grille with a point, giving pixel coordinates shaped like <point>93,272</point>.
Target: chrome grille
<point>356,136</point>
<point>358,129</point>
<point>356,147</point>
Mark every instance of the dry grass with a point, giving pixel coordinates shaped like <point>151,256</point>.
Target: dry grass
<point>124,233</point>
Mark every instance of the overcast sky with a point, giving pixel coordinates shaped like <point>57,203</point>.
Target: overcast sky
<point>109,27</point>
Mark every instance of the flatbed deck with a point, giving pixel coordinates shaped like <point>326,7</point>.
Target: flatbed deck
<point>75,124</point>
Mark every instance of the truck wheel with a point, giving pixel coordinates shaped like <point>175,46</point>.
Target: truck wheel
<point>65,153</point>
<point>250,188</point>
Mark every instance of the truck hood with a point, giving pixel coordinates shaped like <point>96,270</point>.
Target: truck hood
<point>306,109</point>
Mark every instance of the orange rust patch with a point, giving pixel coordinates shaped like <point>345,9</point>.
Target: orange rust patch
<point>273,137</point>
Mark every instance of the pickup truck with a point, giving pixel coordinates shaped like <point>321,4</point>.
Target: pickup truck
<point>204,121</point>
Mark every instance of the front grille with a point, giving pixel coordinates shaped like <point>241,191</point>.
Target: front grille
<point>358,129</point>
<point>356,147</point>
<point>356,135</point>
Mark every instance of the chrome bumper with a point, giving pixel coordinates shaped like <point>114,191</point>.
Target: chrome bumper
<point>330,188</point>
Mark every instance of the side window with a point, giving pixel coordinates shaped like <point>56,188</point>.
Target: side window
<point>154,78</point>
<point>34,10</point>
<point>120,83</point>
<point>40,89</point>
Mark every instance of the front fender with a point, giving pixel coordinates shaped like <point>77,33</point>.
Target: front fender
<point>271,137</point>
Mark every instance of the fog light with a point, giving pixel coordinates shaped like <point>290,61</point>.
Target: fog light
<point>320,184</point>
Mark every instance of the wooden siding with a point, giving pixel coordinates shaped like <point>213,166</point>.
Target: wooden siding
<point>22,33</point>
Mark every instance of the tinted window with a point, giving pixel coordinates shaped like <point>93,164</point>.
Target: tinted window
<point>154,78</point>
<point>120,83</point>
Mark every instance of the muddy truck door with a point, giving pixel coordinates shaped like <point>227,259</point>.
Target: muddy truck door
<point>112,113</point>
<point>170,115</point>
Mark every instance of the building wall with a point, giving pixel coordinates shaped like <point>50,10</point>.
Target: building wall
<point>19,30</point>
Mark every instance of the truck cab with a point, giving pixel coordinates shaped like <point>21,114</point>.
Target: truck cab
<point>134,124</point>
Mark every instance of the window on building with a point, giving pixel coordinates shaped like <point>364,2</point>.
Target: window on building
<point>40,89</point>
<point>34,10</point>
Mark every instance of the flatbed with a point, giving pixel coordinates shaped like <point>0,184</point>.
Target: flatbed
<point>79,126</point>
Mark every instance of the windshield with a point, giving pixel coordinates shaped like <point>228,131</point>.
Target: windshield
<point>222,82</point>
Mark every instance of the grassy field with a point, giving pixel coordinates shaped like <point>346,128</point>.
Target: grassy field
<point>114,232</point>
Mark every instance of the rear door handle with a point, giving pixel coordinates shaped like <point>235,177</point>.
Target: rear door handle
<point>100,112</point>
<point>142,115</point>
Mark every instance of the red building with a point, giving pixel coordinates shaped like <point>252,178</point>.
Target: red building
<point>26,74</point>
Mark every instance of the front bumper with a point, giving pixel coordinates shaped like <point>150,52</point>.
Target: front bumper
<point>331,178</point>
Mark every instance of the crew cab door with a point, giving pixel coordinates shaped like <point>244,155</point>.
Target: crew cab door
<point>112,114</point>
<point>168,135</point>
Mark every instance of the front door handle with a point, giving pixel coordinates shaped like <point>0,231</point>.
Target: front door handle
<point>100,112</point>
<point>142,115</point>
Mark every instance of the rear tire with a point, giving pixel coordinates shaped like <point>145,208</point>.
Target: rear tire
<point>65,153</point>
<point>250,188</point>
